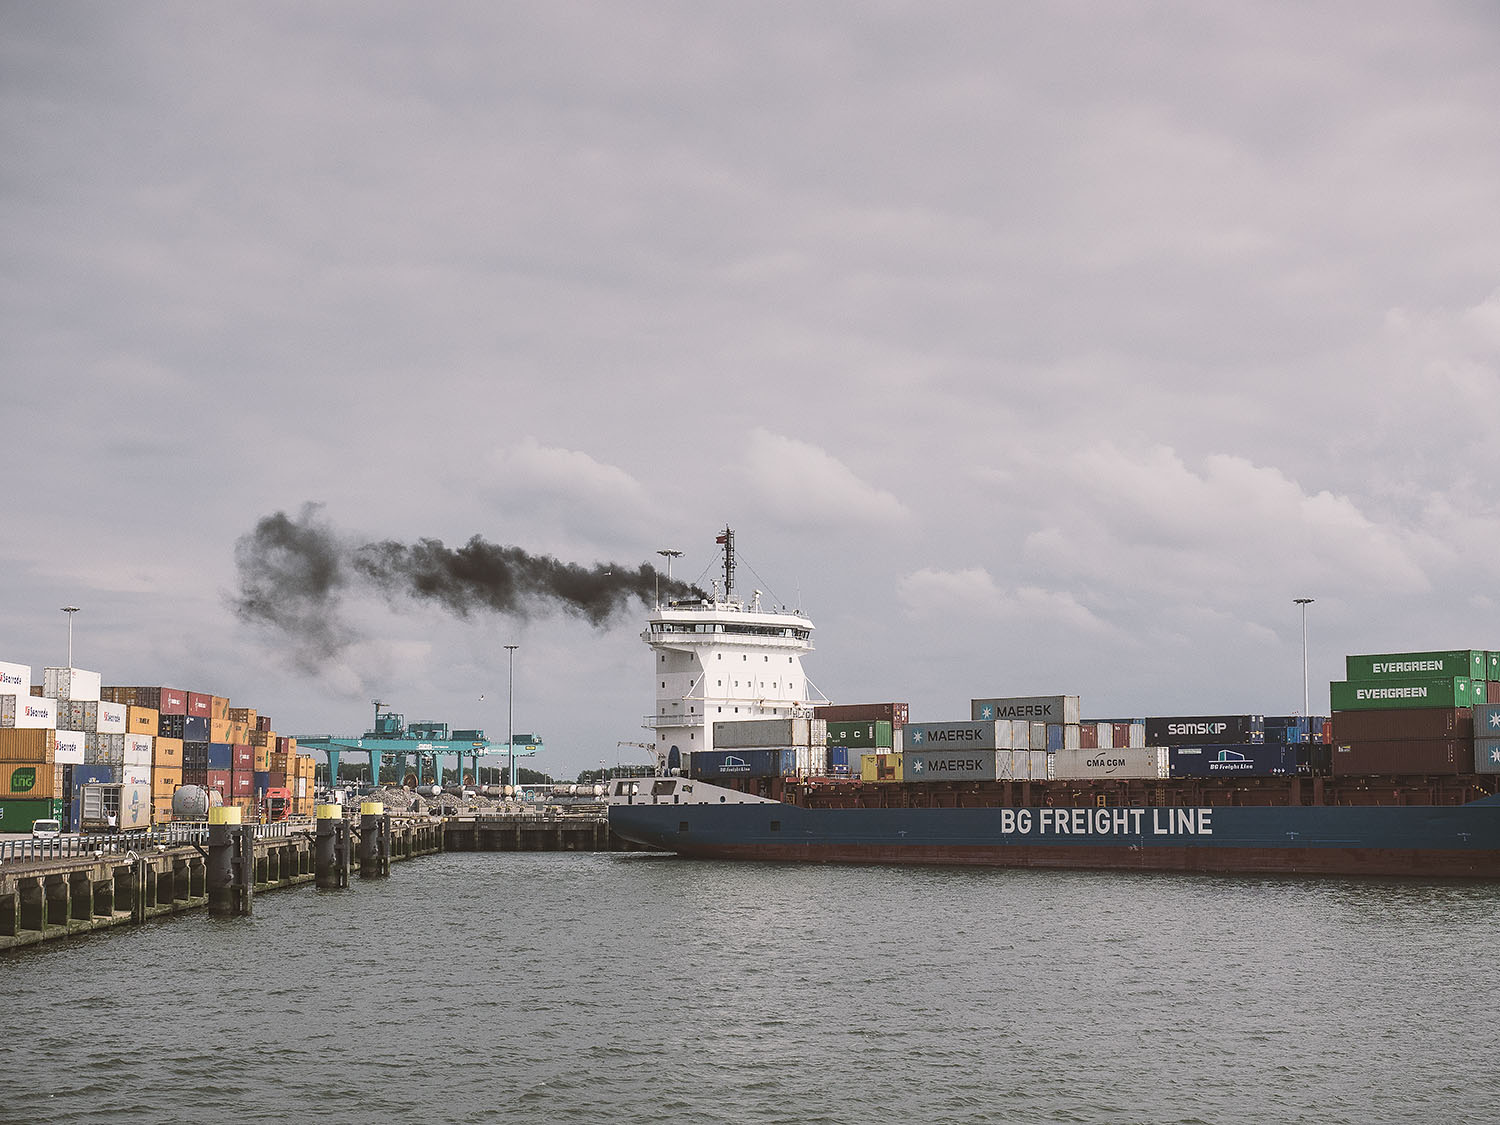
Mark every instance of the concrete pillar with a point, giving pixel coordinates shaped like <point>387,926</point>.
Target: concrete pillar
<point>374,840</point>
<point>104,898</point>
<point>33,908</point>
<point>56,890</point>
<point>80,897</point>
<point>10,915</point>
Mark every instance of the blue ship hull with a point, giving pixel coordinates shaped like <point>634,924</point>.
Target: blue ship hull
<point>1447,840</point>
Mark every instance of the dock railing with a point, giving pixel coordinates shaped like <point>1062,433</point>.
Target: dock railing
<point>174,835</point>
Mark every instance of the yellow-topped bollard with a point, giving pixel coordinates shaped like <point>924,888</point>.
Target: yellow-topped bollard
<point>330,812</point>
<point>371,808</point>
<point>224,814</point>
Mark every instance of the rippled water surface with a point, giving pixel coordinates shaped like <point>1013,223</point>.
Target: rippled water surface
<point>600,988</point>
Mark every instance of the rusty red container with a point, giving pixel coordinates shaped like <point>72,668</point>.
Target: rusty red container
<point>199,705</point>
<point>278,779</point>
<point>1403,757</point>
<point>283,745</point>
<point>244,757</point>
<point>1404,725</point>
<point>222,780</point>
<point>893,713</point>
<point>1088,736</point>
<point>173,701</point>
<point>263,722</point>
<point>242,783</point>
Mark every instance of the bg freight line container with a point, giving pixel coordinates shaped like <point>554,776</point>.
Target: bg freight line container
<point>1464,664</point>
<point>1394,694</point>
<point>1243,759</point>
<point>710,764</point>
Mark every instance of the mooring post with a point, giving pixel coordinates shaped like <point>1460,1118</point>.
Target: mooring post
<point>374,840</point>
<point>226,865</point>
<point>331,869</point>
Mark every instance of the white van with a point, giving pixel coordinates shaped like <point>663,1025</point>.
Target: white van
<point>45,829</point>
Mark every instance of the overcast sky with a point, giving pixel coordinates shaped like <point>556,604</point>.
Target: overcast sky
<point>1029,348</point>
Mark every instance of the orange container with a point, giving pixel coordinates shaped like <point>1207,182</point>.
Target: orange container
<point>218,708</point>
<point>218,730</point>
<point>22,744</point>
<point>142,720</point>
<point>164,782</point>
<point>167,753</point>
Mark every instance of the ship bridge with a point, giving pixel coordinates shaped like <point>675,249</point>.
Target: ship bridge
<point>719,658</point>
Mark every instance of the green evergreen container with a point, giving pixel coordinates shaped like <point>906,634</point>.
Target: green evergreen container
<point>18,813</point>
<point>1468,664</point>
<point>1494,666</point>
<point>1400,694</point>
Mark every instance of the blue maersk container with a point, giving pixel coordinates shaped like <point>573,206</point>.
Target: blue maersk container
<point>1239,759</point>
<point>711,764</point>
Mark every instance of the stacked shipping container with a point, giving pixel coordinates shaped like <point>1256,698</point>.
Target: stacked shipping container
<point>1408,713</point>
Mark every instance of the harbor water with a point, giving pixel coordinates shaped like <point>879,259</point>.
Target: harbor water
<point>564,987</point>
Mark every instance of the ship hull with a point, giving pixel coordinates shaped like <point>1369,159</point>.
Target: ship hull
<point>1427,841</point>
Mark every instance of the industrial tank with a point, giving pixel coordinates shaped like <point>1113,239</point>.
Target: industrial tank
<point>192,802</point>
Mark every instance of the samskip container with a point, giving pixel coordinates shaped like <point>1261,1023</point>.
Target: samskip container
<point>1188,730</point>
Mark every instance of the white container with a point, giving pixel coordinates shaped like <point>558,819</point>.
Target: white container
<point>1137,735</point>
<point>112,718</point>
<point>1136,763</point>
<point>71,683</point>
<point>135,774</point>
<point>15,679</point>
<point>769,734</point>
<point>138,746</point>
<point>70,747</point>
<point>1104,736</point>
<point>28,712</point>
<point>1037,739</point>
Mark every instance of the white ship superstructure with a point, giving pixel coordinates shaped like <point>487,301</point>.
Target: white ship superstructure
<point>719,659</point>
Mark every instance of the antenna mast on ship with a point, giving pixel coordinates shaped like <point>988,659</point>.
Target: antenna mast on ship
<point>727,539</point>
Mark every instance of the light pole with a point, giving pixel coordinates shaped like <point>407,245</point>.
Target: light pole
<point>669,554</point>
<point>510,718</point>
<point>1304,603</point>
<point>70,610</point>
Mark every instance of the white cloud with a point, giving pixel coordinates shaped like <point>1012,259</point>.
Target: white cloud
<point>803,485</point>
<point>971,595</point>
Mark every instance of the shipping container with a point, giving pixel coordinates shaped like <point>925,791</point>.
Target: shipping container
<point>218,730</point>
<point>1487,755</point>
<point>135,774</point>
<point>860,733</point>
<point>1036,738</point>
<point>880,767</point>
<point>1189,730</point>
<point>958,735</point>
<point>242,715</point>
<point>838,760</point>
<point>135,807</point>
<point>222,780</point>
<point>199,706</point>
<point>1462,664</point>
<point>951,765</point>
<point>28,744</point>
<point>165,782</point>
<point>220,756</point>
<point>893,713</point>
<point>195,729</point>
<point>244,756</point>
<point>1015,765</point>
<point>262,781</point>
<point>28,712</point>
<point>142,720</point>
<point>73,684</point>
<point>42,780</point>
<point>70,747</point>
<point>1396,758</point>
<point>15,679</point>
<point>1145,762</point>
<point>1062,736</point>
<point>261,759</point>
<point>139,747</point>
<point>262,722</point>
<point>1392,694</point>
<point>1242,759</point>
<point>770,733</point>
<point>1388,726</point>
<point>173,701</point>
<point>167,752</point>
<point>18,815</point>
<point>745,762</point>
<point>218,707</point>
<point>1036,708</point>
<point>171,726</point>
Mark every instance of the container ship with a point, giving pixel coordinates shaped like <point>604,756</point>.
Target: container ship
<point>1400,779</point>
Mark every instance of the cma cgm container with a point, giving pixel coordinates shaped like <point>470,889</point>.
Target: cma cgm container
<point>1034,708</point>
<point>1189,730</point>
<point>1241,759</point>
<point>951,765</point>
<point>1465,664</point>
<point>707,764</point>
<point>1143,762</point>
<point>1392,694</point>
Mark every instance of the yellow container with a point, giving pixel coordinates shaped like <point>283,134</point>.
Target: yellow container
<point>218,730</point>
<point>161,810</point>
<point>167,753</point>
<point>164,782</point>
<point>262,759</point>
<point>218,707</point>
<point>142,720</point>
<point>880,767</point>
<point>42,780</point>
<point>244,715</point>
<point>22,744</point>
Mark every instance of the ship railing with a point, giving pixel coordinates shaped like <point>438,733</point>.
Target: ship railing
<point>658,722</point>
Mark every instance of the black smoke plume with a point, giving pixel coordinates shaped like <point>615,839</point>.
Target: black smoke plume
<point>292,573</point>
